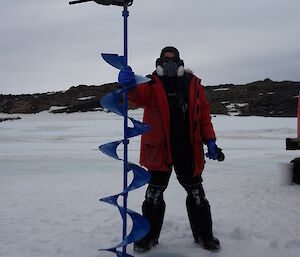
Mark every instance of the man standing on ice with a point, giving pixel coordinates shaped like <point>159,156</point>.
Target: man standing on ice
<point>178,113</point>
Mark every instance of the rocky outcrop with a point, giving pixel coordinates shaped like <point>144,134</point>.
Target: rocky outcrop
<point>261,98</point>
<point>80,98</point>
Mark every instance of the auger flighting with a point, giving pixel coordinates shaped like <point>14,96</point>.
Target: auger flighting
<point>110,101</point>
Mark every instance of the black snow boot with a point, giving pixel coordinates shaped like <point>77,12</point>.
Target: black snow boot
<point>144,245</point>
<point>198,209</point>
<point>210,243</point>
<point>153,210</point>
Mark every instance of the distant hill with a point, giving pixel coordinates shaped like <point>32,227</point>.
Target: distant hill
<point>261,98</point>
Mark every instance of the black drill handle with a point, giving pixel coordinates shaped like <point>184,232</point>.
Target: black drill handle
<point>105,2</point>
<point>221,155</point>
<point>79,1</point>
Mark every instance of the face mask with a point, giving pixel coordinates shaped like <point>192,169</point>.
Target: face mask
<point>170,69</point>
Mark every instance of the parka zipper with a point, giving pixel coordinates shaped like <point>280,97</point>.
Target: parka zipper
<point>194,123</point>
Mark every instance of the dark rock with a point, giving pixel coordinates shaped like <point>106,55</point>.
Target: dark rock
<point>9,118</point>
<point>81,98</point>
<point>261,98</point>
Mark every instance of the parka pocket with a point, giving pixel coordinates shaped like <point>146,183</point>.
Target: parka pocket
<point>153,151</point>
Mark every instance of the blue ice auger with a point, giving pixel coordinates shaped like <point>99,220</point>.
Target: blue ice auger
<point>110,101</point>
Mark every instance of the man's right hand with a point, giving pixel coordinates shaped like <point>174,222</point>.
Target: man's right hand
<point>126,77</point>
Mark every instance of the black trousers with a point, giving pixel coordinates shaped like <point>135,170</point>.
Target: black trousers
<point>198,207</point>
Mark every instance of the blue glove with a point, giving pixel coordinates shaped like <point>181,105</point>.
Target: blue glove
<point>214,152</point>
<point>126,77</point>
<point>211,145</point>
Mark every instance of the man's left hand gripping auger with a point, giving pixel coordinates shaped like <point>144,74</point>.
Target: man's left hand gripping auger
<point>140,225</point>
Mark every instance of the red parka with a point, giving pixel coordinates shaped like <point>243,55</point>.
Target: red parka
<point>155,145</point>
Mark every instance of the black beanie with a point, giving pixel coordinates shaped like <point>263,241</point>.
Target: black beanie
<point>171,49</point>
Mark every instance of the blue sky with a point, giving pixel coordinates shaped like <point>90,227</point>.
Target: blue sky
<point>51,46</point>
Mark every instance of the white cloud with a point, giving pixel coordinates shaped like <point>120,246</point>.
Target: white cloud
<point>49,45</point>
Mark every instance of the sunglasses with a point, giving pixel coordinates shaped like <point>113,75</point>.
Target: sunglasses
<point>172,59</point>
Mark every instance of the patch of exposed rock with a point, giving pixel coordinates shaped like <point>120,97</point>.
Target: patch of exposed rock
<point>9,118</point>
<point>261,98</point>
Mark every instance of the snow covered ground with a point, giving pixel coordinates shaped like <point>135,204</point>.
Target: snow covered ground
<point>52,175</point>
